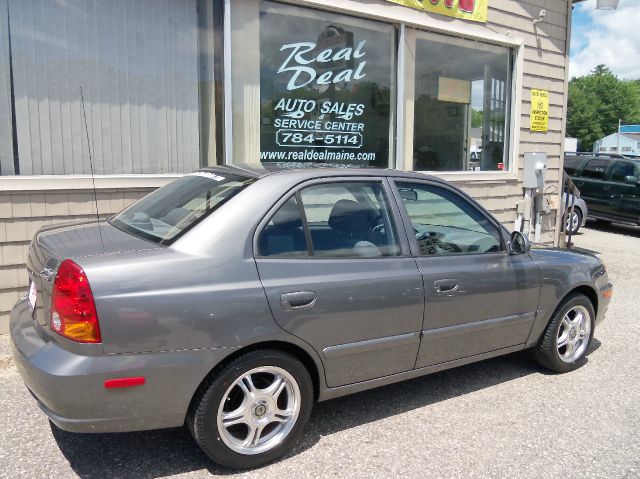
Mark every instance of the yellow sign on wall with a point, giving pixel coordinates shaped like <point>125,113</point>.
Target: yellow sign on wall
<point>474,10</point>
<point>539,110</point>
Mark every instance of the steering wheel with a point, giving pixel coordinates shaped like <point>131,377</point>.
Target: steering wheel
<point>484,245</point>
<point>430,242</point>
<point>376,225</point>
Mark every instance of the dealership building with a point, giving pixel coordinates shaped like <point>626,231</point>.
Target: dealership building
<point>103,101</point>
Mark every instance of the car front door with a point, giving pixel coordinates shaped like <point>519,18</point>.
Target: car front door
<point>338,275</point>
<point>478,297</point>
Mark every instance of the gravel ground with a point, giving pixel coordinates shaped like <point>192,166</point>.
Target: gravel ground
<point>499,418</point>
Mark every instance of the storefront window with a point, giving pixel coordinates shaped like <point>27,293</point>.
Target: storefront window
<point>461,104</point>
<point>146,73</point>
<point>310,86</point>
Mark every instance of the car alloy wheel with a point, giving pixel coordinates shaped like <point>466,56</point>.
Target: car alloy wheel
<point>565,342</point>
<point>252,409</point>
<point>574,221</point>
<point>259,410</point>
<point>573,334</point>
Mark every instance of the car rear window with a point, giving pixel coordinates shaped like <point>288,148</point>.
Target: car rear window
<point>172,210</point>
<point>595,169</point>
<point>571,164</point>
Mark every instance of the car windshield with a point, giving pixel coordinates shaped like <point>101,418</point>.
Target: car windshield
<point>172,210</point>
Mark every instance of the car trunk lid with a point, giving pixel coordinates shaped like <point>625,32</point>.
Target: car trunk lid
<point>53,244</point>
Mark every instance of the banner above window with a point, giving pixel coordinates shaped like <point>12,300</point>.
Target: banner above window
<point>474,10</point>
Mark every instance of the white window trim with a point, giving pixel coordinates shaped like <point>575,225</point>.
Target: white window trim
<point>83,182</point>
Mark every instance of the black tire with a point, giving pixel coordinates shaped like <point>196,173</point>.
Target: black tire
<point>202,418</point>
<point>571,230</point>
<point>547,353</point>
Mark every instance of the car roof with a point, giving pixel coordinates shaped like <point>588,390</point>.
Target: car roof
<point>602,156</point>
<point>306,171</point>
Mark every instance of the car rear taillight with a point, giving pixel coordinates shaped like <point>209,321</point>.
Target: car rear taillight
<point>73,311</point>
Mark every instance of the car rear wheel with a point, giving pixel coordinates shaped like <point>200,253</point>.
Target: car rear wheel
<point>253,410</point>
<point>574,221</point>
<point>568,336</point>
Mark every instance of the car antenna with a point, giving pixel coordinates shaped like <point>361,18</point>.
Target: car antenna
<point>93,179</point>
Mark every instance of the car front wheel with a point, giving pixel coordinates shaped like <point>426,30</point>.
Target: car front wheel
<point>568,336</point>
<point>253,410</point>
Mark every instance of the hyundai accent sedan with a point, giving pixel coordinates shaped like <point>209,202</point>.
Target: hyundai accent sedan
<point>234,298</point>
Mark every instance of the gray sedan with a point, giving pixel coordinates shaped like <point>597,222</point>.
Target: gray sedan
<point>576,219</point>
<point>234,298</point>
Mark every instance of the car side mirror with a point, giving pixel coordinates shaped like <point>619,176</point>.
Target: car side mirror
<point>519,244</point>
<point>632,180</point>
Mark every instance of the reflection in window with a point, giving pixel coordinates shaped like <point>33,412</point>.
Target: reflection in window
<point>621,170</point>
<point>595,169</point>
<point>146,72</point>
<point>444,223</point>
<point>349,220</point>
<point>461,110</point>
<point>284,234</point>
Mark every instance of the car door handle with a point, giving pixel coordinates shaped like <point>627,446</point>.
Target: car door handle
<point>606,187</point>
<point>442,286</point>
<point>298,300</point>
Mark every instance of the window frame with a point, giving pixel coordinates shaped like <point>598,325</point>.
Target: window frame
<point>513,107</point>
<point>415,249</point>
<point>254,143</point>
<point>394,213</point>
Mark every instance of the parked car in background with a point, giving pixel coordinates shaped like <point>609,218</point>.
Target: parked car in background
<point>233,298</point>
<point>608,184</point>
<point>577,218</point>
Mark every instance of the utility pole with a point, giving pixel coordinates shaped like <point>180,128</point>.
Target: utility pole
<point>618,136</point>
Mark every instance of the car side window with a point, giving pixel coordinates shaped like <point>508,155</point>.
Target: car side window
<point>621,170</point>
<point>595,169</point>
<point>284,236</point>
<point>444,223</point>
<point>349,219</point>
<point>571,164</point>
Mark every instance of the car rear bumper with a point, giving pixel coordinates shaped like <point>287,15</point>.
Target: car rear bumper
<point>69,387</point>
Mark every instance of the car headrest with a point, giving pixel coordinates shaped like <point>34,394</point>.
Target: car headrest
<point>350,216</point>
<point>288,216</point>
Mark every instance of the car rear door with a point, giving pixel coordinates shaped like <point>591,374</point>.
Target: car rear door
<point>590,180</point>
<point>337,272</point>
<point>478,297</point>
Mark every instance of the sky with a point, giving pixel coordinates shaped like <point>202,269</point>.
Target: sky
<point>611,37</point>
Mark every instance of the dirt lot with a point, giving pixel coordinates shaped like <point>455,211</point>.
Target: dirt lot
<point>499,418</point>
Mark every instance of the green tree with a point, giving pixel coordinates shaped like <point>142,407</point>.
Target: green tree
<point>596,102</point>
<point>476,118</point>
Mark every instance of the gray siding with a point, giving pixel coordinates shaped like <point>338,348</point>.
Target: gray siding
<point>23,213</point>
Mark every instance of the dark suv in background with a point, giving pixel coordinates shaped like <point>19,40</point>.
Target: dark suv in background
<point>609,184</point>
